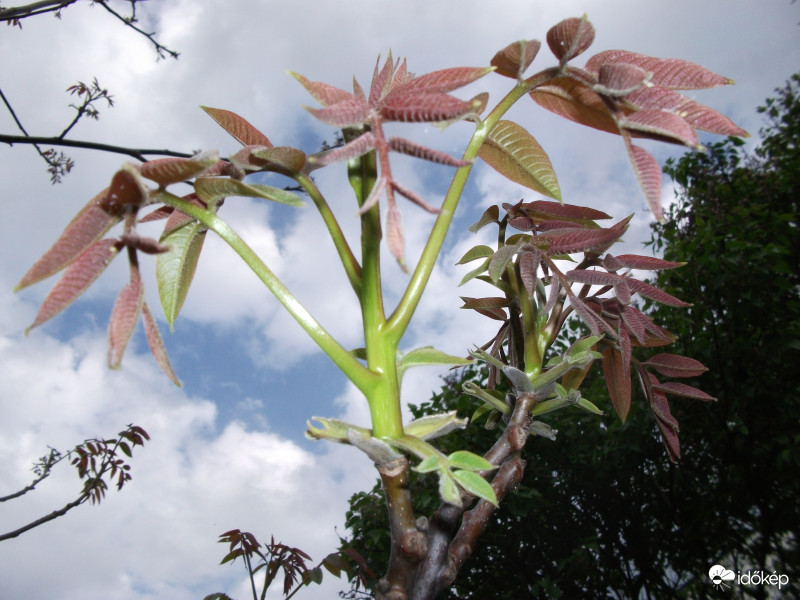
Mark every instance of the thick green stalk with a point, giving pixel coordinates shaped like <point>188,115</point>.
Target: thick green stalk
<point>347,363</point>
<point>349,262</point>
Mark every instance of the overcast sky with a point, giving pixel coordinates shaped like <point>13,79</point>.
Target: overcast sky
<point>227,449</point>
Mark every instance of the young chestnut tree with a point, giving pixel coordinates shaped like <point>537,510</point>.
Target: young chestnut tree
<point>624,93</point>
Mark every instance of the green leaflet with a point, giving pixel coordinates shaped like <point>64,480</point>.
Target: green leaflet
<point>475,485</point>
<point>213,189</point>
<point>427,356</point>
<point>514,152</point>
<point>469,461</point>
<point>175,269</point>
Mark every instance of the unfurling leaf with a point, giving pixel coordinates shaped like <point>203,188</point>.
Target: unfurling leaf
<point>618,381</point>
<point>620,79</point>
<point>476,485</point>
<point>512,60</point>
<point>175,269</point>
<point>463,459</point>
<point>126,192</point>
<point>394,235</point>
<point>428,356</point>
<point>448,489</point>
<point>514,153</point>
<point>165,171</point>
<point>569,38</point>
<point>238,127</point>
<point>83,271</point>
<point>433,426</point>
<point>124,317</point>
<point>490,215</point>
<point>88,226</point>
<point>575,101</point>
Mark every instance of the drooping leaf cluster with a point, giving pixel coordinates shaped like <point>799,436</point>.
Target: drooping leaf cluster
<point>538,296</point>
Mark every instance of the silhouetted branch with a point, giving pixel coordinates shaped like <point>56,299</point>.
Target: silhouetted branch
<point>137,153</point>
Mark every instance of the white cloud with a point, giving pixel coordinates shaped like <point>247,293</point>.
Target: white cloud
<point>199,476</point>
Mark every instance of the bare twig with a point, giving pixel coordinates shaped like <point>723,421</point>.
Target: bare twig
<point>137,153</point>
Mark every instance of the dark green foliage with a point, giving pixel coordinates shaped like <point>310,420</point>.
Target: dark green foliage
<point>601,512</point>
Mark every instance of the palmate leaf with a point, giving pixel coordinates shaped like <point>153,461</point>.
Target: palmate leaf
<point>514,152</point>
<point>238,127</point>
<point>514,59</point>
<point>124,317</point>
<point>88,226</point>
<point>175,269</point>
<point>81,273</point>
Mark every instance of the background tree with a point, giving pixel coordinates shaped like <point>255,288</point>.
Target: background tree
<point>610,516</point>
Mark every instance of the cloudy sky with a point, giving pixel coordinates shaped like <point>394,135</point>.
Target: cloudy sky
<point>227,449</point>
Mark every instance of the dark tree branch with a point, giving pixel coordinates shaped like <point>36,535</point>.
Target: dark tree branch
<point>137,153</point>
<point>43,469</point>
<point>15,13</point>
<point>53,515</point>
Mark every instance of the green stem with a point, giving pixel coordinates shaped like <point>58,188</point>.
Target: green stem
<point>347,363</point>
<point>400,319</point>
<point>349,261</point>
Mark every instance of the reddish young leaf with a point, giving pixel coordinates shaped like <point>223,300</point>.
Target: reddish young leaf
<point>156,344</point>
<point>681,389</point>
<point>179,219</point>
<point>346,113</point>
<point>539,209</point>
<point>88,226</point>
<point>394,234</point>
<point>575,101</point>
<point>165,171</point>
<point>528,270</point>
<point>695,114</point>
<point>162,212</point>
<point>281,159</point>
<point>83,271</point>
<point>653,293</point>
<point>661,125</point>
<point>442,81</point>
<point>618,381</point>
<point>635,322</point>
<point>381,80</point>
<point>414,197</point>
<point>410,148</point>
<point>352,149</point>
<point>493,302</point>
<point>126,192</point>
<point>648,172</point>
<point>569,241</point>
<point>620,79</point>
<point>238,127</point>
<point>323,93</point>
<point>514,59</point>
<point>668,72</point>
<point>594,277</point>
<point>424,107</point>
<point>123,320</point>
<point>647,263</point>
<point>569,38</point>
<point>674,365</point>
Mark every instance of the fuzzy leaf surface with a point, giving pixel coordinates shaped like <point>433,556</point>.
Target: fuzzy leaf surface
<point>124,317</point>
<point>475,485</point>
<point>238,127</point>
<point>675,365</point>
<point>443,81</point>
<point>88,226</point>
<point>668,72</point>
<point>83,271</point>
<point>175,269</point>
<point>213,189</point>
<point>676,388</point>
<point>569,38</point>
<point>514,153</point>
<point>648,172</point>
<point>573,100</point>
<point>514,59</point>
<point>165,171</point>
<point>428,356</point>
<point>156,344</point>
